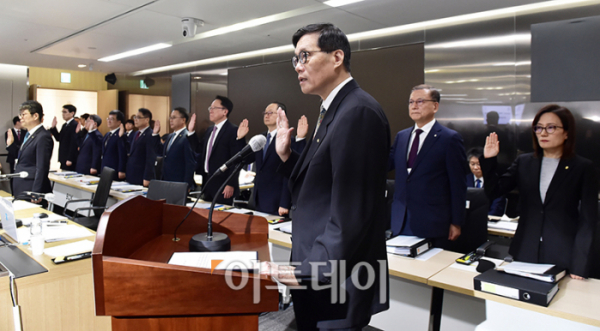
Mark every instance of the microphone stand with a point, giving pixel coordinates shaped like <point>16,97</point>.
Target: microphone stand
<point>217,241</point>
<point>196,245</point>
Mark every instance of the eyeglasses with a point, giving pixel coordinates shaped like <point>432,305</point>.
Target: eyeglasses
<point>268,113</point>
<point>23,114</point>
<point>474,164</point>
<point>213,108</point>
<point>550,129</point>
<point>303,57</point>
<point>174,117</point>
<point>135,117</point>
<point>418,102</point>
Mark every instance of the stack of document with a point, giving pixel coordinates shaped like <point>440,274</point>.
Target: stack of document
<point>90,180</point>
<point>65,173</point>
<point>545,272</point>
<point>56,233</point>
<point>137,189</point>
<point>408,245</point>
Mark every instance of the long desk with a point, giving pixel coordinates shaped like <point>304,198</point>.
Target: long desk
<point>415,286</point>
<point>60,299</point>
<point>71,189</point>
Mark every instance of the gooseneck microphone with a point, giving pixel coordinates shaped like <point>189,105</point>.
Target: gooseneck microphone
<point>22,174</point>
<point>256,144</point>
<point>218,242</point>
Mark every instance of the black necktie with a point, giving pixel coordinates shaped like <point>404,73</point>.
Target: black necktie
<point>414,149</point>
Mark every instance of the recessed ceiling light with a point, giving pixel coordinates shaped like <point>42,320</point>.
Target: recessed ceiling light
<point>81,65</point>
<point>134,52</point>
<point>339,3</point>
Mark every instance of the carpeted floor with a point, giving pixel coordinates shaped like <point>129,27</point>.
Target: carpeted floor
<point>284,320</point>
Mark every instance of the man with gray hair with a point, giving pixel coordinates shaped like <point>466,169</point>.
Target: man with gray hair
<point>90,148</point>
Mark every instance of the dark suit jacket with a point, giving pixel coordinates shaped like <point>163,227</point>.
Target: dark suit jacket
<point>67,149</point>
<point>338,205</point>
<point>90,153</point>
<point>179,162</point>
<point>34,158</point>
<point>271,189</point>
<point>433,195</point>
<point>142,157</point>
<point>566,220</point>
<point>225,146</point>
<point>129,140</point>
<point>497,206</point>
<point>13,149</point>
<point>114,152</point>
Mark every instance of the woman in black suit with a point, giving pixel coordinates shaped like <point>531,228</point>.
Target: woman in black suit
<point>558,194</point>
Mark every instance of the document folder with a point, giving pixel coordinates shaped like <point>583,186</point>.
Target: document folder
<point>516,287</point>
<point>408,245</point>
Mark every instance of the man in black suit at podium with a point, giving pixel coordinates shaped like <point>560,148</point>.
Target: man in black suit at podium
<point>338,192</point>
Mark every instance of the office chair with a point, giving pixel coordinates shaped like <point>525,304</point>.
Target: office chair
<point>389,199</point>
<point>474,230</point>
<point>174,192</point>
<point>97,204</point>
<point>158,164</point>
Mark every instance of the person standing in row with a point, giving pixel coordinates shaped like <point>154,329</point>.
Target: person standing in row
<point>67,138</point>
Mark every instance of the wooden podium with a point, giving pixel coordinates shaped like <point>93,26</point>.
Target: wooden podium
<point>134,284</point>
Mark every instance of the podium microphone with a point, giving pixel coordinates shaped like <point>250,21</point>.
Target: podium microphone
<point>22,174</point>
<point>220,242</point>
<point>256,144</point>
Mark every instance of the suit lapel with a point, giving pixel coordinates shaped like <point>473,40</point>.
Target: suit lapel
<point>403,145</point>
<point>221,132</point>
<point>430,140</point>
<point>329,116</point>
<point>270,151</point>
<point>562,171</point>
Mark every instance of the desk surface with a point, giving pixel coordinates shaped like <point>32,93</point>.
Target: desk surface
<point>46,298</point>
<point>576,300</point>
<point>75,183</point>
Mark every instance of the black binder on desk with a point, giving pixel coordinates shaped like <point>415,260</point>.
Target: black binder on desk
<point>516,287</point>
<point>408,246</point>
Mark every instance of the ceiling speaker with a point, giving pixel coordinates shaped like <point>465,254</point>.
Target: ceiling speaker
<point>111,78</point>
<point>148,81</point>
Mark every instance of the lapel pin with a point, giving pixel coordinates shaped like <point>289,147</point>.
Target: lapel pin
<point>318,140</point>
<point>435,135</point>
<point>567,167</point>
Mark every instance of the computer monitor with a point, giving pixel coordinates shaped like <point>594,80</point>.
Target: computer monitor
<point>7,215</point>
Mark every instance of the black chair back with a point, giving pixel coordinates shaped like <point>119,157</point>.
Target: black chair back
<point>474,230</point>
<point>174,192</point>
<point>103,190</point>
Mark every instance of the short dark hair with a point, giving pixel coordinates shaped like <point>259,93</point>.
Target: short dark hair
<point>130,122</point>
<point>70,108</point>
<point>331,38</point>
<point>118,114</point>
<point>434,94</point>
<point>96,119</point>
<point>183,113</point>
<point>568,124</point>
<point>16,119</point>
<point>225,102</point>
<point>279,105</point>
<point>85,116</point>
<point>146,113</point>
<point>33,107</point>
<point>474,152</point>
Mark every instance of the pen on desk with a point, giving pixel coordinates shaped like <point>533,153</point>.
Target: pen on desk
<point>56,221</point>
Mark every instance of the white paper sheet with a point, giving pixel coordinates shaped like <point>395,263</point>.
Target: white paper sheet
<point>77,247</point>
<point>403,241</point>
<point>532,268</point>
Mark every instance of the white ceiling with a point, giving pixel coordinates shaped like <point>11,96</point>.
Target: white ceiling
<point>27,25</point>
